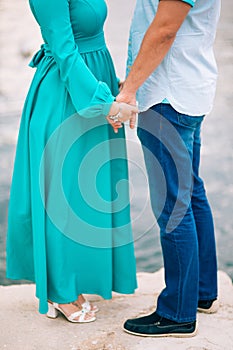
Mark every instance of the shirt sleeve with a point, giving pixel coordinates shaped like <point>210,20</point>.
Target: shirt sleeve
<point>85,90</point>
<point>190,2</point>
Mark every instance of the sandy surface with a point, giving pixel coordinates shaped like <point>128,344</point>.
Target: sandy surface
<point>22,328</point>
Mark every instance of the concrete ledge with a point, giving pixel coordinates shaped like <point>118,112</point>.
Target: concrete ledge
<point>23,328</point>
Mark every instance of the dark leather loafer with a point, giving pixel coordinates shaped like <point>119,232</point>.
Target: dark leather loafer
<point>208,306</point>
<point>161,327</point>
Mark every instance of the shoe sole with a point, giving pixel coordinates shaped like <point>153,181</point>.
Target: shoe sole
<point>72,321</point>
<point>175,335</point>
<point>212,310</point>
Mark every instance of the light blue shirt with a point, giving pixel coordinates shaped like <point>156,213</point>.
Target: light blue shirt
<point>187,75</point>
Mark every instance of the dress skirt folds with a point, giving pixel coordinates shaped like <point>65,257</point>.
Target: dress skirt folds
<point>69,225</point>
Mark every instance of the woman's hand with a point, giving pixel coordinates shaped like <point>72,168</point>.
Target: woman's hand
<point>121,112</point>
<point>129,98</point>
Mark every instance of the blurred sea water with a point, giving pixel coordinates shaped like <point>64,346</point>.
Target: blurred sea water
<point>20,39</point>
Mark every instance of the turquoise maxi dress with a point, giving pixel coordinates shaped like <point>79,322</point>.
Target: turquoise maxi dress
<point>69,222</point>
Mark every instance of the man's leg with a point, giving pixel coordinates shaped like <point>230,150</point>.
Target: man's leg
<point>205,231</point>
<point>168,144</point>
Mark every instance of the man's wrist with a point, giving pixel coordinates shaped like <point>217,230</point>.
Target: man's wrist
<point>127,97</point>
<point>129,89</point>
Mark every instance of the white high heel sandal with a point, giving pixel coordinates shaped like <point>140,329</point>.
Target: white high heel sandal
<point>87,307</point>
<point>75,317</point>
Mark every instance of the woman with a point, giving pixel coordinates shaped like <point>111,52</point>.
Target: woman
<point>69,229</point>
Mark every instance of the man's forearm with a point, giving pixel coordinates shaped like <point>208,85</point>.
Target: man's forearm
<point>157,42</point>
<point>153,50</point>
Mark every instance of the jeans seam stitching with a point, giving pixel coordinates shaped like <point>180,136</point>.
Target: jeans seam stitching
<point>179,284</point>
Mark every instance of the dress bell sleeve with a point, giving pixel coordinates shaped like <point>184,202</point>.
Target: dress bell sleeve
<point>89,96</point>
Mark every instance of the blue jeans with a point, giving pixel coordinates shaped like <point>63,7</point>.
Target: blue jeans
<point>171,146</point>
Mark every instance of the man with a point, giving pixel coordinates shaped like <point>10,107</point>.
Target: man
<point>172,64</point>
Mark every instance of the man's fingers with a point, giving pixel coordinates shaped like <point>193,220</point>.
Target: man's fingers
<point>132,122</point>
<point>135,109</point>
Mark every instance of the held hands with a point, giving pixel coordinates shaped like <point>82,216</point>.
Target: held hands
<point>121,112</point>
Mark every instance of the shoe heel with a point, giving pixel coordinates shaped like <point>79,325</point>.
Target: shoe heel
<point>52,312</point>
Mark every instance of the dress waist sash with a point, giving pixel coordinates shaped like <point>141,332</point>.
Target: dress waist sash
<point>85,45</point>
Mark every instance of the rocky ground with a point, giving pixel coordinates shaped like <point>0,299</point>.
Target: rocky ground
<point>23,328</point>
